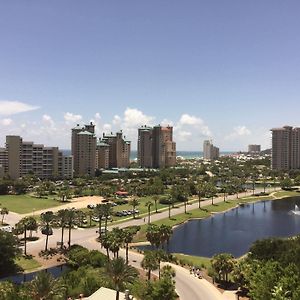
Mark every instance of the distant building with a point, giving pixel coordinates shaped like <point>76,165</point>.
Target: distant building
<point>84,149</point>
<point>254,149</point>
<point>24,158</point>
<point>285,148</point>
<point>67,166</point>
<point>119,150</point>
<point>102,155</point>
<point>3,159</point>
<point>210,152</point>
<point>156,148</point>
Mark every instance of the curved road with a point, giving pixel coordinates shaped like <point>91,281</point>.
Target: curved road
<point>187,286</point>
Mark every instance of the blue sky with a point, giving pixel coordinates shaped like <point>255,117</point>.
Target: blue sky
<point>226,70</point>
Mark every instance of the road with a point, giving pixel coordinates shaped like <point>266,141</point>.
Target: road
<point>187,286</point>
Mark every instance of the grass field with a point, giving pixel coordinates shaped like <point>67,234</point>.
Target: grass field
<point>206,211</point>
<point>27,264</point>
<point>197,261</point>
<point>23,204</point>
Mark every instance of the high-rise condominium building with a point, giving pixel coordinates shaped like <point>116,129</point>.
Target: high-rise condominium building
<point>84,149</point>
<point>119,150</point>
<point>210,152</point>
<point>254,149</point>
<point>156,148</point>
<point>29,158</point>
<point>285,148</point>
<point>102,155</point>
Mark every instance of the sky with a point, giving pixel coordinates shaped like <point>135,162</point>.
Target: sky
<point>221,70</point>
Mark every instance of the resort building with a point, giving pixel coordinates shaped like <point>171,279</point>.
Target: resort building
<point>119,150</point>
<point>285,148</point>
<point>254,149</point>
<point>102,155</point>
<point>210,152</point>
<point>84,149</point>
<point>28,158</point>
<point>156,148</point>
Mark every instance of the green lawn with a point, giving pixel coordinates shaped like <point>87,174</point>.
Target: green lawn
<point>197,261</point>
<point>283,194</point>
<point>27,264</point>
<point>25,203</point>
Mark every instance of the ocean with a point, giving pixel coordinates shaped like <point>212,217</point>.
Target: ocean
<point>184,154</point>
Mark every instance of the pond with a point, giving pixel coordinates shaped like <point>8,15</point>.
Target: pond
<point>24,277</point>
<point>235,231</point>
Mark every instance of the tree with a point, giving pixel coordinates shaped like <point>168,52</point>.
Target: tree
<point>107,209</point>
<point>9,249</point>
<point>3,212</point>
<point>128,234</point>
<point>44,286</point>
<point>286,183</point>
<point>62,218</point>
<point>148,205</point>
<point>166,287</point>
<point>116,240</point>
<point>71,220</point>
<point>150,262</point>
<point>27,223</point>
<point>170,204</point>
<point>155,198</point>
<point>120,274</point>
<point>7,291</point>
<point>134,203</point>
<point>165,233</point>
<point>201,191</point>
<point>223,264</point>
<point>99,213</point>
<point>153,235</point>
<point>47,218</point>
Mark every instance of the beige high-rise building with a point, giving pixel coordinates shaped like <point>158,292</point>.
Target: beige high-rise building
<point>3,159</point>
<point>84,150</point>
<point>119,150</point>
<point>144,147</point>
<point>285,148</point>
<point>156,148</point>
<point>67,167</point>
<point>28,158</point>
<point>254,149</point>
<point>210,152</point>
<point>102,155</point>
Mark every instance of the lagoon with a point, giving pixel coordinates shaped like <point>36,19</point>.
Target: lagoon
<point>235,231</point>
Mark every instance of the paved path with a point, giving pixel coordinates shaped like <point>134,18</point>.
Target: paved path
<point>187,286</point>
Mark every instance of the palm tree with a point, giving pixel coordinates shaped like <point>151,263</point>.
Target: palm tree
<point>170,203</point>
<point>153,235</point>
<point>71,220</point>
<point>201,191</point>
<point>105,242</point>
<point>128,234</point>
<point>99,213</point>
<point>62,217</point>
<point>44,286</point>
<point>155,198</point>
<point>116,240</point>
<point>107,209</point>
<point>134,203</point>
<point>185,201</point>
<point>165,232</point>
<point>149,262</point>
<point>148,205</point>
<point>4,211</point>
<point>120,274</point>
<point>47,218</point>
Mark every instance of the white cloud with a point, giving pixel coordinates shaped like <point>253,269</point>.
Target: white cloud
<point>135,118</point>
<point>117,120</point>
<point>8,108</point>
<point>48,120</point>
<point>72,118</point>
<point>6,122</point>
<point>183,136</point>
<point>238,132</point>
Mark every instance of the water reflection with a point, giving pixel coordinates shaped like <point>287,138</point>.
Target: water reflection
<point>234,231</point>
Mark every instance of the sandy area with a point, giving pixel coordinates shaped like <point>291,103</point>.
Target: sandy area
<point>80,202</point>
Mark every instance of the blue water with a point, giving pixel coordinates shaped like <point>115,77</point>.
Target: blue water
<point>236,230</point>
<point>184,154</point>
<point>22,277</point>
